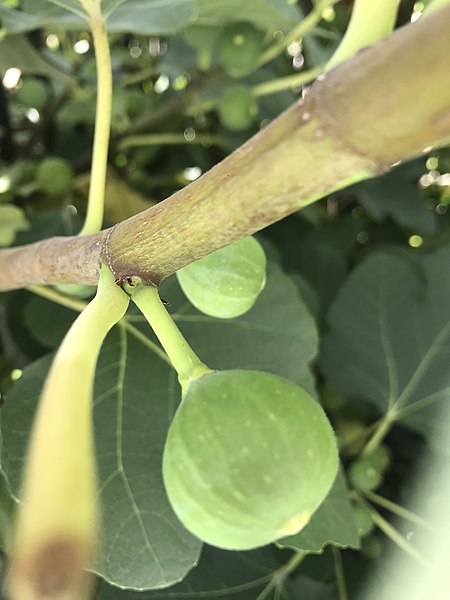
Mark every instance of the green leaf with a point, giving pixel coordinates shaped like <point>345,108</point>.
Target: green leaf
<point>47,322</point>
<point>47,223</point>
<point>236,576</point>
<point>7,509</point>
<point>147,17</point>
<point>324,267</point>
<point>74,6</point>
<point>267,14</point>
<point>226,283</point>
<point>333,523</point>
<point>226,575</point>
<point>310,589</point>
<point>151,17</point>
<point>16,51</point>
<point>397,195</point>
<point>136,393</point>
<point>36,14</point>
<point>389,338</point>
<point>12,220</point>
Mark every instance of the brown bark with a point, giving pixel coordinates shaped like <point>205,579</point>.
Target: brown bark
<point>387,104</point>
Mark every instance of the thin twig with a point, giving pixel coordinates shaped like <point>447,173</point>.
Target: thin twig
<point>400,511</point>
<point>339,574</point>
<point>397,537</point>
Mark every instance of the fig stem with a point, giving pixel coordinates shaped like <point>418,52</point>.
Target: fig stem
<point>396,537</point>
<point>370,22</point>
<point>59,514</point>
<point>184,360</point>
<point>339,574</point>
<point>400,511</point>
<point>290,82</point>
<point>382,429</point>
<point>300,30</point>
<point>433,6</point>
<point>96,200</point>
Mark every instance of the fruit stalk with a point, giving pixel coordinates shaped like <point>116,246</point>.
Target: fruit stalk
<point>94,215</point>
<point>370,22</point>
<point>183,358</point>
<point>435,5</point>
<point>57,526</point>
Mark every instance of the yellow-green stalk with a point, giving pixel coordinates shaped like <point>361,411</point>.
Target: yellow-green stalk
<point>184,360</point>
<point>96,200</point>
<point>434,5</point>
<point>371,21</point>
<point>57,524</point>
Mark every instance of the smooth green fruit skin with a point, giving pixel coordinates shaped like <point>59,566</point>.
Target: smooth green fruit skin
<point>248,459</point>
<point>363,519</point>
<point>54,176</point>
<point>34,93</point>
<point>381,458</point>
<point>239,47</point>
<point>371,547</point>
<point>226,283</point>
<point>237,108</point>
<point>364,475</point>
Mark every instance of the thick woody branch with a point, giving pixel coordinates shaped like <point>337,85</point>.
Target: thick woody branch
<point>385,105</point>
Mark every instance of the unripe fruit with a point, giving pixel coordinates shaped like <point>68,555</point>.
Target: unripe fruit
<point>237,108</point>
<point>381,458</point>
<point>363,519</point>
<point>226,283</point>
<point>57,527</point>
<point>364,474</point>
<point>54,177</point>
<point>33,93</point>
<point>239,47</point>
<point>371,547</point>
<point>248,459</point>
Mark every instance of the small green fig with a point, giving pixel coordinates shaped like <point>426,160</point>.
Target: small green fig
<point>237,108</point>
<point>239,47</point>
<point>34,92</point>
<point>372,547</point>
<point>381,458</point>
<point>226,283</point>
<point>54,177</point>
<point>248,459</point>
<point>365,474</point>
<point>363,519</point>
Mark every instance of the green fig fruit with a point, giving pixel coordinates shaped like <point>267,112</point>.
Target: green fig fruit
<point>365,474</point>
<point>226,283</point>
<point>239,47</point>
<point>237,108</point>
<point>54,177</point>
<point>363,519</point>
<point>248,459</point>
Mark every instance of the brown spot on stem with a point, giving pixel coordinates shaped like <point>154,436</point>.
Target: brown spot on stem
<point>53,571</point>
<point>56,568</point>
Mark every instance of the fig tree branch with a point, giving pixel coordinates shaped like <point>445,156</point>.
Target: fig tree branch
<point>387,104</point>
